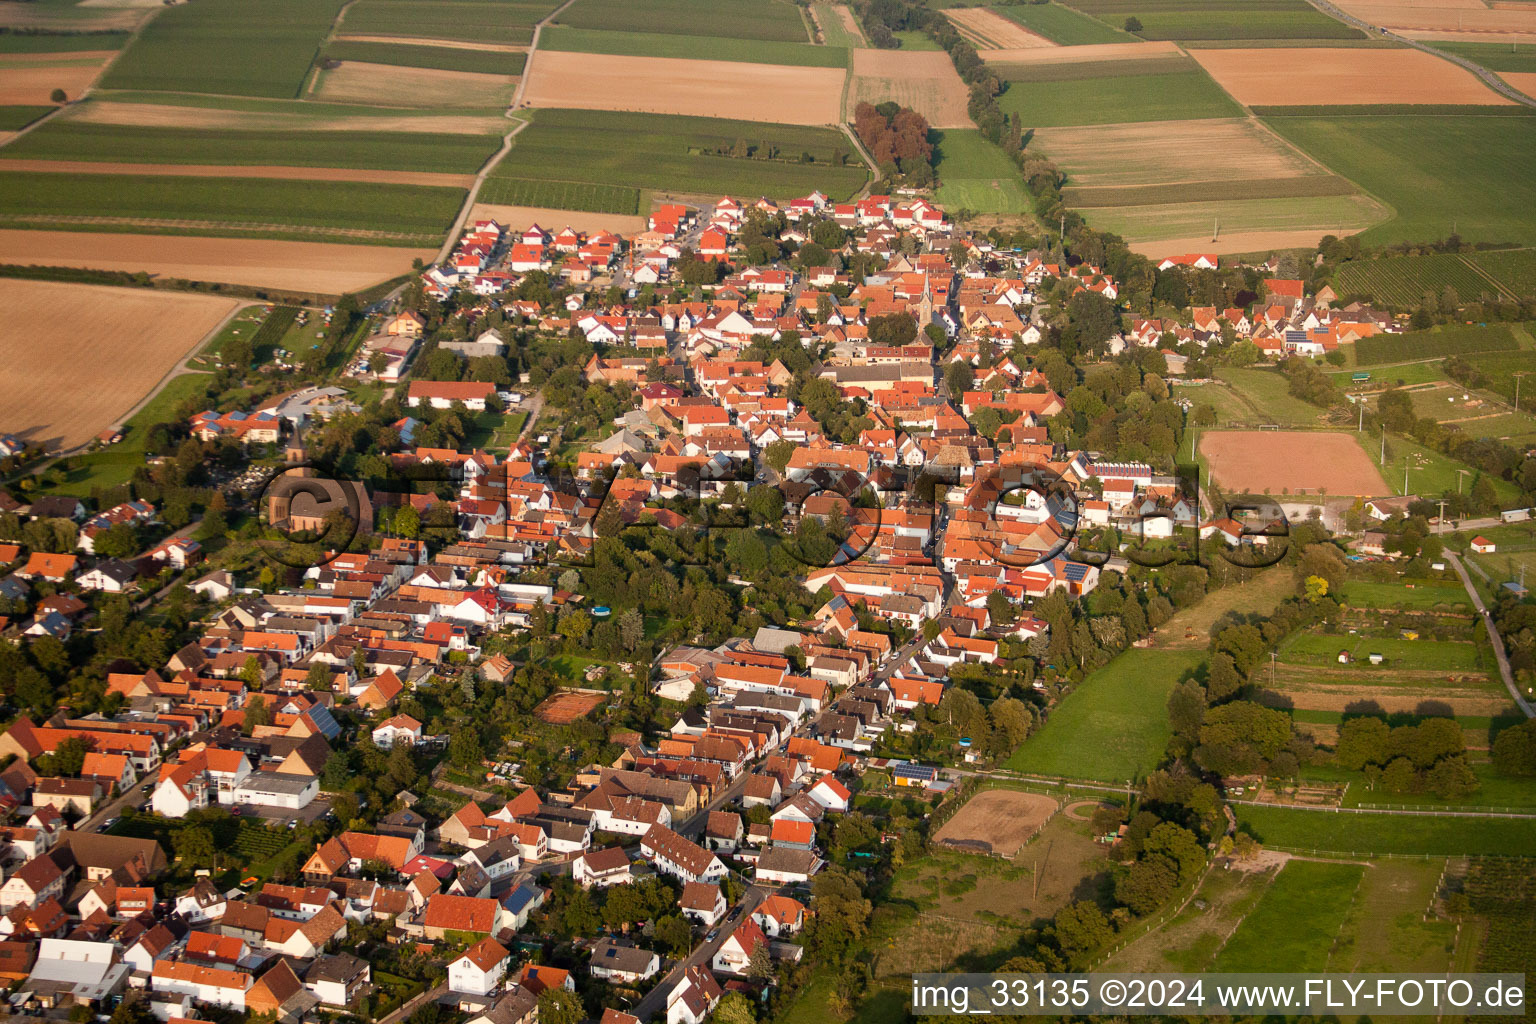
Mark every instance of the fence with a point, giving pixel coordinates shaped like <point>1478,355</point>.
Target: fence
<point>1402,810</point>
<point>1141,928</point>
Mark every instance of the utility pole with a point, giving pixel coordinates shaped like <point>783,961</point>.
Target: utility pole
<point>1459,474</point>
<point>1360,401</point>
<point>1405,476</point>
<point>1271,669</point>
<point>1442,516</point>
<point>1517,375</point>
<point>1383,445</point>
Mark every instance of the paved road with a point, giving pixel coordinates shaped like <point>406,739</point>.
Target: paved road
<point>1493,635</point>
<point>655,1001</point>
<point>1490,79</point>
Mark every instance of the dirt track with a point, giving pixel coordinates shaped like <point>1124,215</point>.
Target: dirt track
<point>522,217</point>
<point>374,177</point>
<point>699,88</point>
<point>322,267</point>
<point>1320,75</point>
<point>76,356</point>
<point>997,821</point>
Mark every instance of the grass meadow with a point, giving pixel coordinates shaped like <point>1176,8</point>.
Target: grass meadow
<point>1466,174</point>
<point>400,151</point>
<point>17,42</point>
<point>412,55</point>
<point>1114,726</point>
<point>238,207</point>
<point>1378,834</point>
<point>671,44</point>
<point>735,19</point>
<point>1049,98</point>
<point>1294,924</point>
<point>227,46</point>
<point>976,175</point>
<point>678,154</point>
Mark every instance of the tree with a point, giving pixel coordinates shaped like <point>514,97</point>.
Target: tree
<point>734,1008</point>
<point>1081,930</point>
<point>557,1006</point>
<point>673,934</point>
<point>959,377</point>
<point>59,96</point>
<point>256,714</point>
<point>464,749</point>
<point>1186,708</point>
<point>778,454</point>
<point>320,676</point>
<point>120,540</point>
<point>1238,738</point>
<point>195,845</point>
<point>408,522</point>
<point>1147,885</point>
<point>68,756</point>
<point>760,963</point>
<point>631,629</point>
<point>1362,741</point>
<point>1514,751</point>
<point>1133,24</point>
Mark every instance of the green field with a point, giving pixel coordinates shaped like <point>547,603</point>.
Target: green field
<point>1386,833</point>
<point>1450,341</point>
<point>411,55</point>
<point>1336,214</point>
<point>1053,100</point>
<point>227,46</point>
<point>1267,397</point>
<point>561,195</point>
<point>1114,726</point>
<point>1294,924</point>
<point>733,19</point>
<point>1403,280</point>
<point>115,465</point>
<point>670,44</point>
<point>472,21</point>
<point>27,42</point>
<point>1433,473</point>
<point>1220,19</point>
<point>1500,369</point>
<point>976,175</point>
<point>239,207</point>
<point>833,32</point>
<point>914,40</point>
<point>677,154</point>
<point>404,151</point>
<point>1061,24</point>
<point>1414,597</point>
<point>1493,56</point>
<point>15,118</point>
<point>1323,649</point>
<point>1467,174</point>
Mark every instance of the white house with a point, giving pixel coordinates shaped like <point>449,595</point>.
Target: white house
<point>602,868</point>
<point>831,794</point>
<point>203,984</point>
<point>676,856</point>
<point>400,729</point>
<point>694,998</point>
<point>735,953</point>
<point>479,970</point>
<point>617,960</point>
<point>703,902</point>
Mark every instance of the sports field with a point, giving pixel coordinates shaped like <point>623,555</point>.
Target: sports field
<point>77,357</point>
<point>227,47</point>
<point>672,45</point>
<point>695,88</point>
<point>1114,726</point>
<point>678,155</point>
<point>1440,174</point>
<point>976,175</point>
<point>1268,462</point>
<point>736,19</point>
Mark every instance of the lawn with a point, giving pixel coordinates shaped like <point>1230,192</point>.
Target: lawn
<point>1386,833</point>
<point>670,44</point>
<point>735,19</point>
<point>1296,921</point>
<point>976,175</point>
<point>388,214</point>
<point>1114,726</point>
<point>1433,473</point>
<point>1061,24</point>
<point>1116,99</point>
<point>1406,597</point>
<point>679,154</point>
<point>1323,649</point>
<point>472,21</point>
<point>227,46</point>
<point>63,139</point>
<point>1465,174</point>
<point>412,55</point>
<point>1267,396</point>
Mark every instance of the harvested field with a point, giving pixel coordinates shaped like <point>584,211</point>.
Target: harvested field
<point>567,706</point>
<point>1231,242</point>
<point>246,171</point>
<point>318,267</point>
<point>453,44</point>
<point>393,85</point>
<point>988,30</point>
<point>1470,37</point>
<point>1446,18</point>
<point>1091,52</point>
<point>58,18</point>
<point>521,217</point>
<point>997,821</point>
<point>77,357</point>
<point>1172,152</point>
<point>1525,81</point>
<point>30,78</point>
<point>925,81</point>
<point>1296,462</point>
<point>164,115</point>
<point>1320,76</point>
<point>698,88</point>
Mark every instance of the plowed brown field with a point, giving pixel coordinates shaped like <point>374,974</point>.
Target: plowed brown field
<point>28,79</point>
<point>926,81</point>
<point>698,88</point>
<point>1074,54</point>
<point>988,30</point>
<point>75,357</point>
<point>320,267</point>
<point>1494,23</point>
<point>1323,75</point>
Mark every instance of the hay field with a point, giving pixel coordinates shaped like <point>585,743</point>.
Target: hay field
<point>1448,18</point>
<point>30,78</point>
<point>361,175</point>
<point>925,81</point>
<point>519,218</point>
<point>74,357</point>
<point>1324,76</point>
<point>317,267</point>
<point>1172,152</point>
<point>985,29</point>
<point>1277,461</point>
<point>997,821</point>
<point>1074,54</point>
<point>698,88</point>
<point>394,85</point>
